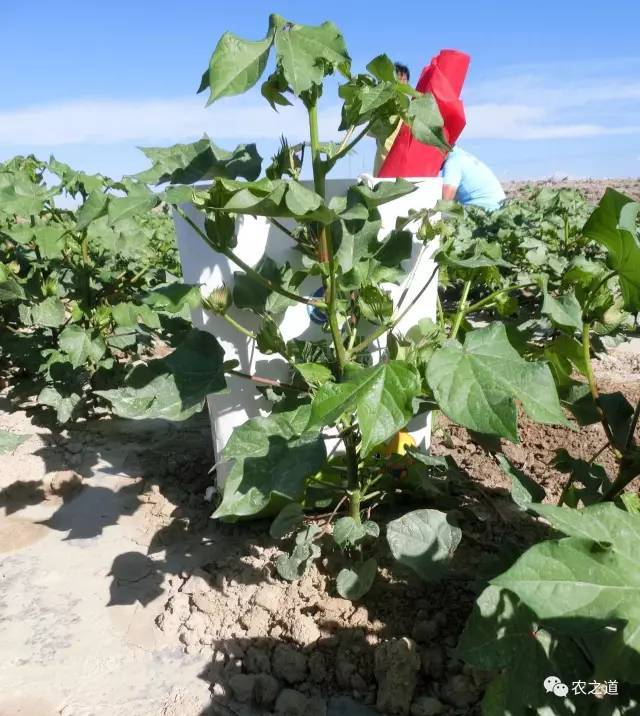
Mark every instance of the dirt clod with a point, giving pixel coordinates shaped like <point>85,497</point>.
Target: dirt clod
<point>426,706</point>
<point>266,690</point>
<point>396,667</point>
<point>460,690</point>
<point>269,598</point>
<point>424,631</point>
<point>291,703</point>
<point>304,630</point>
<point>289,664</point>
<point>242,686</point>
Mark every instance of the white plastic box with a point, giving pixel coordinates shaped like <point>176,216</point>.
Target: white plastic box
<point>256,236</point>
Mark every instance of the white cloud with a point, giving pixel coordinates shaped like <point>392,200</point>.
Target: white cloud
<point>554,102</point>
<point>108,121</point>
<point>530,103</point>
<point>518,121</point>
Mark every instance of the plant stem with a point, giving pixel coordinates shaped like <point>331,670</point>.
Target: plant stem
<point>593,387</point>
<point>440,313</point>
<point>492,296</point>
<point>461,309</point>
<point>622,480</point>
<point>394,321</point>
<point>325,248</point>
<point>325,255</point>
<point>238,326</point>
<point>266,381</point>
<point>85,248</point>
<point>282,228</point>
<point>316,160</point>
<point>270,285</point>
<point>248,269</point>
<point>632,426</point>
<point>346,138</point>
<point>344,150</point>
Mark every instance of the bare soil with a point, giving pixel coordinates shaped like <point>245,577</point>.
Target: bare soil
<point>593,189</point>
<point>120,597</point>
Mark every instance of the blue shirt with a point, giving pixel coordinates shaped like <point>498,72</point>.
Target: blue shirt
<point>476,183</point>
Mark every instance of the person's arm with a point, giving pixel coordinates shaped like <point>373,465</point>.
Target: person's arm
<point>449,192</point>
<point>451,177</point>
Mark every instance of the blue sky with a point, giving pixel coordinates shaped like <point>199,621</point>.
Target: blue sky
<point>554,87</point>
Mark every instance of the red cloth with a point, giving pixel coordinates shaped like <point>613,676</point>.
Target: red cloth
<point>444,78</point>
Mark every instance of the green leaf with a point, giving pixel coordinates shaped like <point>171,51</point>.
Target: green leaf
<point>138,202</point>
<point>382,396</point>
<point>130,314</point>
<point>236,65</point>
<point>50,240</point>
<point>75,181</point>
<point>375,305</point>
<point>10,289</point>
<point>200,161</point>
<point>23,197</point>
<point>502,633</point>
<point>618,412</point>
<point>382,68</point>
<point>381,193</point>
<point>425,541</point>
<point>65,404</point>
<point>603,523</point>
<point>575,578</point>
<point>524,490</point>
<point>300,200</point>
<point>353,583</point>
<point>426,121</point>
<point>173,298</point>
<point>269,339</point>
<point>93,208</point>
<point>494,701</point>
<point>592,574</point>
<point>347,532</point>
<point>288,520</point>
<point>613,224</point>
<point>620,654</point>
<point>175,387</point>
<point>307,53</point>
<point>395,248</point>
<point>477,384</point>
<point>565,311</point>
<point>278,198</point>
<point>292,567</point>
<point>565,354</point>
<point>496,630</point>
<point>631,502</point>
<point>49,312</point>
<point>272,457</point>
<point>591,476</point>
<point>10,441</point>
<point>81,345</point>
<point>249,293</point>
<point>371,529</point>
<point>273,89</point>
<point>314,373</point>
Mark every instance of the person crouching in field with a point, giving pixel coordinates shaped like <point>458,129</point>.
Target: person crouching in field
<point>470,182</point>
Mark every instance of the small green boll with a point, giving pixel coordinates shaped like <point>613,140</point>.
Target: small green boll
<point>50,286</point>
<point>218,301</point>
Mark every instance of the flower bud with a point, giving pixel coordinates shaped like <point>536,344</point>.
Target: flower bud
<point>218,301</point>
